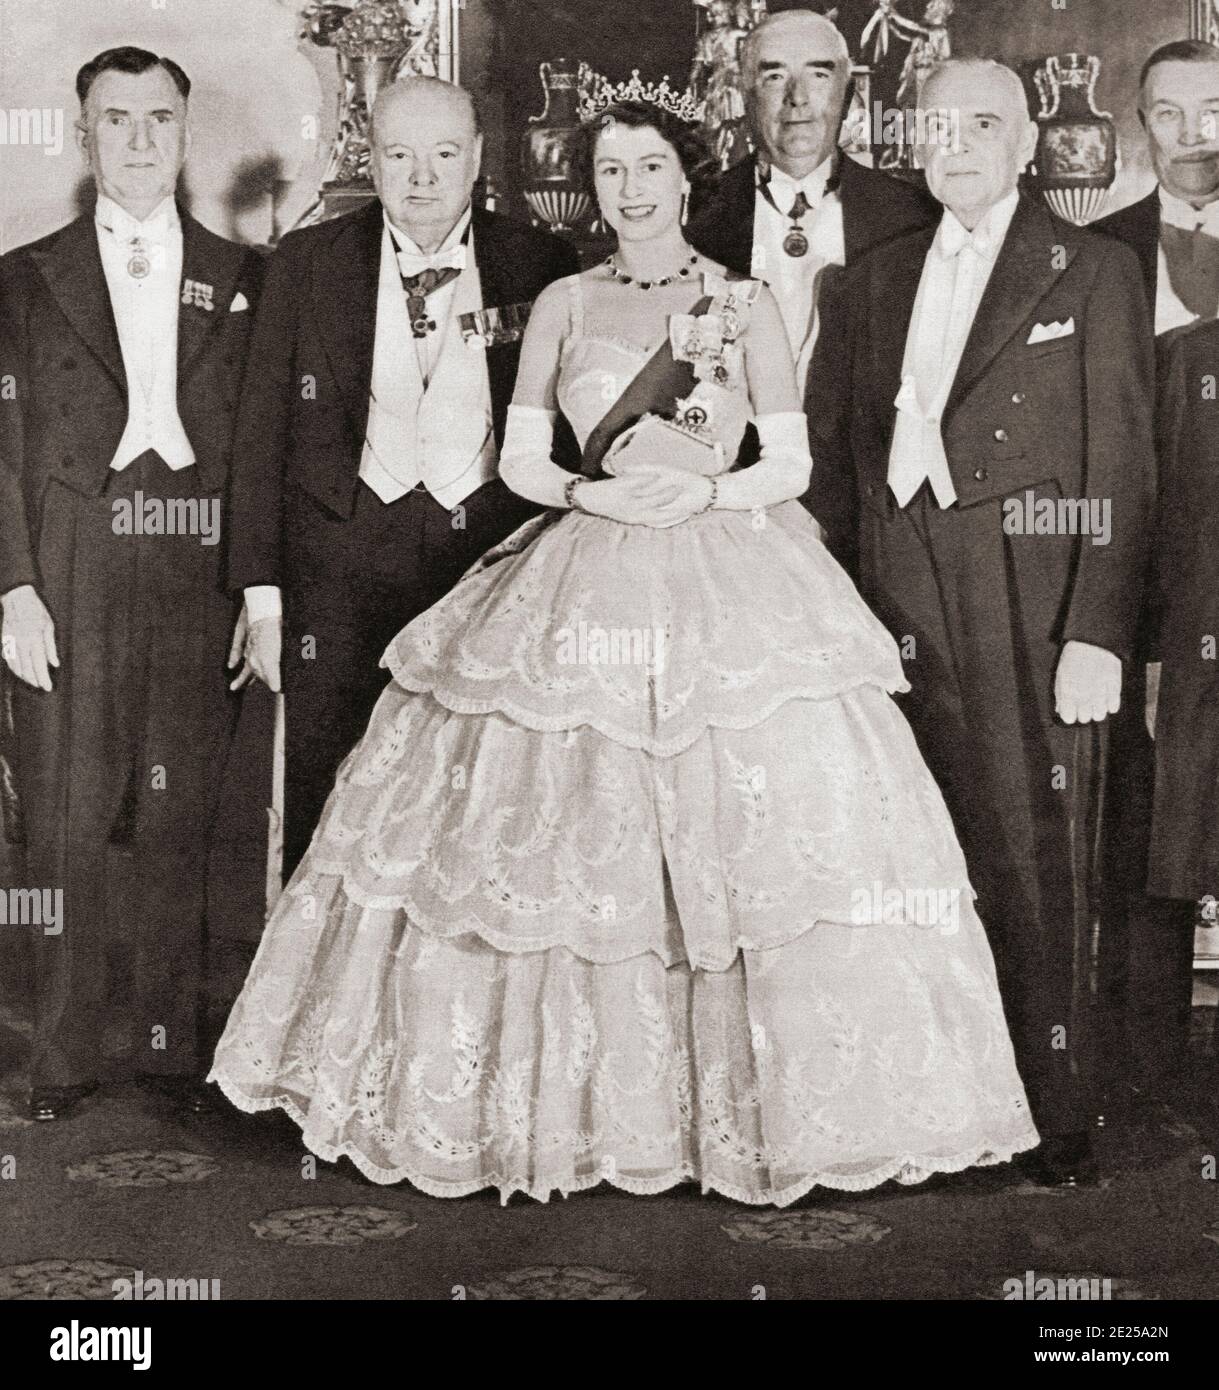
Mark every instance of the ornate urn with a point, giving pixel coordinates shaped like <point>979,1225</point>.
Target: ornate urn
<point>1076,159</point>
<point>376,41</point>
<point>553,188</point>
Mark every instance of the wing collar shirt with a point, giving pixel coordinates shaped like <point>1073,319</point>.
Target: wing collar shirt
<point>955,275</point>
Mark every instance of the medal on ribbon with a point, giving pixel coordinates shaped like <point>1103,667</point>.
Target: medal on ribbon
<point>795,243</point>
<point>198,294</point>
<point>484,328</point>
<point>138,263</point>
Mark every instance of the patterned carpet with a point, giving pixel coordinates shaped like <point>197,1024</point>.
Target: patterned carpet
<point>130,1186</point>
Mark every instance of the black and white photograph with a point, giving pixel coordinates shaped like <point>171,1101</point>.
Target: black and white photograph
<point>610,679</point>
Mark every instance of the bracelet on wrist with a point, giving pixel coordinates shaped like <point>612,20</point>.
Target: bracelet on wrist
<point>569,491</point>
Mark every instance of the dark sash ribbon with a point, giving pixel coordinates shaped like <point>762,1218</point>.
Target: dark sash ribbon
<point>655,389</point>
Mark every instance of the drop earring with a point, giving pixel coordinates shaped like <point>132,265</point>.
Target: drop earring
<point>685,202</point>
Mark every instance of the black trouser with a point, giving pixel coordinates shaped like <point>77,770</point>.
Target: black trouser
<point>974,610</point>
<point>1147,957</point>
<point>119,769</point>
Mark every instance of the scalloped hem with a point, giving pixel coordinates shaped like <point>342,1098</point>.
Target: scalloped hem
<point>612,954</point>
<point>657,748</point>
<point>908,1170</point>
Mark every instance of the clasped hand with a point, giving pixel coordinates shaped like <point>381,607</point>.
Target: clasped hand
<point>647,496</point>
<point>1087,684</point>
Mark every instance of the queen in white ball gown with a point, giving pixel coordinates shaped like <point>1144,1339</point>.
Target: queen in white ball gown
<point>637,875</point>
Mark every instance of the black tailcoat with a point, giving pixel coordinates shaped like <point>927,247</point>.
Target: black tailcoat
<point>1138,226</point>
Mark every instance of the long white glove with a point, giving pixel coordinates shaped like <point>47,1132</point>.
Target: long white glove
<point>524,461</point>
<point>781,473</point>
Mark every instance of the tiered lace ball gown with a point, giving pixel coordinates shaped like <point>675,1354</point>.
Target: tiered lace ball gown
<point>570,918</point>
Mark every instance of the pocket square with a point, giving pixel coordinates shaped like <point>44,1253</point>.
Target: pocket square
<point>239,303</point>
<point>1047,332</point>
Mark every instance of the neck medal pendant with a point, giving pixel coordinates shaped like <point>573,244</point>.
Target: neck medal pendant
<point>138,265</point>
<point>795,243</point>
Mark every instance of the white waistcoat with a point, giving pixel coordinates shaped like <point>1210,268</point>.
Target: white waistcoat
<point>146,319</point>
<point>441,435</point>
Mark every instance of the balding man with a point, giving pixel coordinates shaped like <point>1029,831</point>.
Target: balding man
<point>982,441</point>
<point>800,205</point>
<point>368,434</point>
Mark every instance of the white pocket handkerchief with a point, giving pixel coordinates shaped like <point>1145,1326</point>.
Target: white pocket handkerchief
<point>238,304</point>
<point>1047,332</point>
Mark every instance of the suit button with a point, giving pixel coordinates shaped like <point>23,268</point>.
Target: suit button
<point>1001,436</point>
<point>980,474</point>
<point>68,364</point>
<point>1018,398</point>
<point>68,460</point>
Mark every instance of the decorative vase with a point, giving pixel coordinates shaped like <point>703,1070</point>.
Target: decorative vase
<point>376,42</point>
<point>552,183</point>
<point>1076,160</point>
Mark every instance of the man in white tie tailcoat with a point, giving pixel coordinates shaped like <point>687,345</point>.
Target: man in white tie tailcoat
<point>981,420</point>
<point>124,335</point>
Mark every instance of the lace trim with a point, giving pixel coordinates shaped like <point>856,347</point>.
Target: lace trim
<point>514,944</point>
<point>907,1169</point>
<point>582,718</point>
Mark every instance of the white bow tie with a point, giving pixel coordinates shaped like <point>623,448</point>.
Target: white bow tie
<point>412,263</point>
<point>783,189</point>
<point>154,231</point>
<point>954,237</point>
<point>1178,213</point>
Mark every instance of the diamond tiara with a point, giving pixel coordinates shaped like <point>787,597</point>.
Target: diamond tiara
<point>602,93</point>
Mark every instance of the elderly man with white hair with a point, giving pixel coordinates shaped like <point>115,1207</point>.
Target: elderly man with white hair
<point>799,204</point>
<point>983,461</point>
